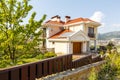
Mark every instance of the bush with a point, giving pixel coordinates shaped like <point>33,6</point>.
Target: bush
<point>92,48</point>
<point>102,49</point>
<point>40,56</point>
<point>29,60</point>
<point>5,63</point>
<point>110,70</point>
<point>49,54</point>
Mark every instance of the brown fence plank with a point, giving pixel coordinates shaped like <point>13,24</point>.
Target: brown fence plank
<point>24,73</point>
<point>82,61</point>
<point>4,75</point>
<point>55,65</point>
<point>32,71</point>
<point>96,59</point>
<point>58,65</point>
<point>15,74</point>
<point>45,68</point>
<point>65,62</point>
<point>39,70</point>
<point>51,66</point>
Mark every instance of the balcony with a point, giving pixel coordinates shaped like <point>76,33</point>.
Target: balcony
<point>91,35</point>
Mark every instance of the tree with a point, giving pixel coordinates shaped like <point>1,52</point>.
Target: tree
<point>17,38</point>
<point>110,45</point>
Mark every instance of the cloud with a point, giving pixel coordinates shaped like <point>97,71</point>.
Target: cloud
<point>116,25</point>
<point>97,16</point>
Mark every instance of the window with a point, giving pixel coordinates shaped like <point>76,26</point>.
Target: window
<point>53,42</point>
<point>90,30</point>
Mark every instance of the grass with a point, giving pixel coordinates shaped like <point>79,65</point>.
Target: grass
<point>5,63</point>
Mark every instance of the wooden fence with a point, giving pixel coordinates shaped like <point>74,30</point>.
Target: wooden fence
<point>82,61</point>
<point>43,68</point>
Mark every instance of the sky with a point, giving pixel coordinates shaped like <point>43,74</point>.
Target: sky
<point>107,12</point>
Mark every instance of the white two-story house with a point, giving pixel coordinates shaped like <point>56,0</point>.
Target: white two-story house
<point>70,35</point>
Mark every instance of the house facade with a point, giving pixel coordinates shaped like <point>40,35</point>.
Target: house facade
<point>70,35</point>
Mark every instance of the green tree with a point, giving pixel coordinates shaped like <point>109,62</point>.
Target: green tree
<point>17,38</point>
<point>110,46</point>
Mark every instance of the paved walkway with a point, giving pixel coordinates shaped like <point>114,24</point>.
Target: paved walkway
<point>77,56</point>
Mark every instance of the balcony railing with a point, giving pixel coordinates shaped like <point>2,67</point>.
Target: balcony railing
<point>91,35</point>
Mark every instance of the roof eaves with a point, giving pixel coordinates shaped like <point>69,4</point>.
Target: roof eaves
<point>62,39</point>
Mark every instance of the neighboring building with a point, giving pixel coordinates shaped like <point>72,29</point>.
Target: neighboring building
<point>102,42</point>
<point>116,41</point>
<point>71,35</point>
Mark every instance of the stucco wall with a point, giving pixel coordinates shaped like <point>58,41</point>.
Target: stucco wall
<point>84,47</point>
<point>76,27</point>
<point>51,30</point>
<point>51,44</point>
<point>62,47</point>
<point>84,28</point>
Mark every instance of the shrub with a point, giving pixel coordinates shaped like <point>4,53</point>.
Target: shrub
<point>29,60</point>
<point>49,54</point>
<point>92,47</point>
<point>40,56</point>
<point>5,63</point>
<point>110,70</point>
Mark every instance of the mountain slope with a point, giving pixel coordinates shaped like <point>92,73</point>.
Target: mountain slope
<point>109,35</point>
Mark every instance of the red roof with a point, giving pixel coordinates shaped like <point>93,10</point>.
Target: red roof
<point>70,21</point>
<point>60,33</point>
<point>56,22</point>
<point>78,20</point>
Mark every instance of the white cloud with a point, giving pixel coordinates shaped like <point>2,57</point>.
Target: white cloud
<point>97,16</point>
<point>116,25</point>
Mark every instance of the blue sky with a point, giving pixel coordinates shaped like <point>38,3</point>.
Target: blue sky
<point>107,12</point>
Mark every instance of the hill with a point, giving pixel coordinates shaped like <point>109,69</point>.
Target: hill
<point>109,35</point>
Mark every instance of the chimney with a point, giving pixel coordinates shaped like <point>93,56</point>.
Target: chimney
<point>56,18</point>
<point>67,18</point>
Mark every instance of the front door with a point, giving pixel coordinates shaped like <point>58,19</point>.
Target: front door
<point>77,47</point>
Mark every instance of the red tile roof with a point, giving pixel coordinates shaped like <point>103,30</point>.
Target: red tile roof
<point>78,20</point>
<point>70,21</point>
<point>55,22</point>
<point>60,33</point>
